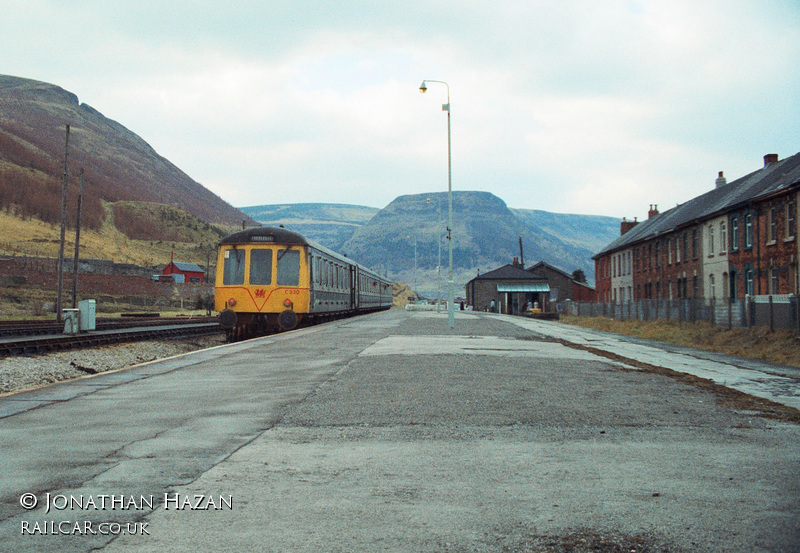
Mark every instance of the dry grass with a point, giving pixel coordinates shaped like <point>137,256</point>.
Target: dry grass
<point>36,238</point>
<point>780,346</point>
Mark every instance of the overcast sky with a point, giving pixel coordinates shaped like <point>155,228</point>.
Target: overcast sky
<point>573,106</point>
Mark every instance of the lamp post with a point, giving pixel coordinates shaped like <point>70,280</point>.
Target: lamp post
<point>415,264</point>
<point>451,292</point>
<point>439,262</point>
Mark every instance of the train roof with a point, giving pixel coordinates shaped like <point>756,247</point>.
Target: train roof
<point>277,235</point>
<point>265,235</point>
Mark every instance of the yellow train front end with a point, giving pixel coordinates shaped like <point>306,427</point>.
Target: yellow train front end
<point>262,282</point>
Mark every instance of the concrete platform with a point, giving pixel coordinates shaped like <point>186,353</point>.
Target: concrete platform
<point>391,432</point>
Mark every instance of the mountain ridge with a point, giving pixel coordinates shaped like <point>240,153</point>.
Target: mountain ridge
<point>119,165</point>
<point>486,233</point>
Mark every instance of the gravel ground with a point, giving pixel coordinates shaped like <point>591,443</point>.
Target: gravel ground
<point>30,371</point>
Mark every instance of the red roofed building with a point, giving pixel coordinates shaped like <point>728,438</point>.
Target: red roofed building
<point>192,272</point>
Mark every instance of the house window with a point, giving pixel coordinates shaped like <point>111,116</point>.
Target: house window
<point>686,245</point>
<point>791,220</point>
<point>658,255</point>
<point>711,240</point>
<point>695,249</point>
<point>712,290</point>
<point>773,224</point>
<point>748,230</point>
<point>734,234</point>
<point>723,237</point>
<point>774,284</point>
<point>733,284</point>
<point>749,282</point>
<point>677,250</point>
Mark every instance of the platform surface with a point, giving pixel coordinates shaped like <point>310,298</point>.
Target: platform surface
<point>392,432</point>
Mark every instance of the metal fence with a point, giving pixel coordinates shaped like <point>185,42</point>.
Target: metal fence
<point>775,311</point>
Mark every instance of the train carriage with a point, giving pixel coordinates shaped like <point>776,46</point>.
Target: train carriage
<point>270,278</point>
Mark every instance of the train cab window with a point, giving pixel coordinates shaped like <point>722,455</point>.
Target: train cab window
<point>288,267</point>
<point>260,266</point>
<point>233,269</point>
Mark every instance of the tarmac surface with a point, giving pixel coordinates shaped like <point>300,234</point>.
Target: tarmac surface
<point>392,432</point>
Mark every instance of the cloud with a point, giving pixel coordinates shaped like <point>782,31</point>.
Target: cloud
<point>581,106</point>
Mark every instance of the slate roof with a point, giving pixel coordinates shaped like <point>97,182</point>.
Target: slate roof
<point>774,178</point>
<point>545,265</point>
<point>188,267</point>
<point>509,272</point>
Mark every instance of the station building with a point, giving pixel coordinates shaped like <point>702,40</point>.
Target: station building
<point>514,288</point>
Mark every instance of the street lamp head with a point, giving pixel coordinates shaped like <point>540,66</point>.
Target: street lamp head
<point>423,88</point>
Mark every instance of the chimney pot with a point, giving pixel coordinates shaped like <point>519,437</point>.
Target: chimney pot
<point>626,225</point>
<point>721,180</point>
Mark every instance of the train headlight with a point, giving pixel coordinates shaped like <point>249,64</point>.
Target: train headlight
<point>288,303</point>
<point>232,302</point>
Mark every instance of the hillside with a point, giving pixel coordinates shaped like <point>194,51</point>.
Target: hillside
<point>486,235</point>
<point>189,238</point>
<point>329,224</point>
<point>118,164</point>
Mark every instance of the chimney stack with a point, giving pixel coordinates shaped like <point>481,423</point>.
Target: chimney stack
<point>721,181</point>
<point>626,225</point>
<point>653,211</point>
<point>516,263</point>
<point>769,159</point>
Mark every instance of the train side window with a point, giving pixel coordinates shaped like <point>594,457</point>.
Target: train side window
<point>233,269</point>
<point>288,267</point>
<point>260,266</point>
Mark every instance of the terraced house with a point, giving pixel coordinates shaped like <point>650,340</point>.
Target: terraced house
<point>738,240</point>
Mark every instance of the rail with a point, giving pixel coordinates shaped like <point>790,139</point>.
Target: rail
<point>50,343</point>
<point>37,328</point>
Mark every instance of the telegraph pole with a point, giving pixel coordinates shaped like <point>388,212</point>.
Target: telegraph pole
<point>77,245</point>
<point>63,231</point>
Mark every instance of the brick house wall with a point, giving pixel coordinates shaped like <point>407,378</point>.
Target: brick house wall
<point>602,278</point>
<point>762,250</point>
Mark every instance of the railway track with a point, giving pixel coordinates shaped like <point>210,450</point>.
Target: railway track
<point>38,328</point>
<point>18,345</point>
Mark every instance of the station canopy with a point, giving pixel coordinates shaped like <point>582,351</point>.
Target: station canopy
<point>538,287</point>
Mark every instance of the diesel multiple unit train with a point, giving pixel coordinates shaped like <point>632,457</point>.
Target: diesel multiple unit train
<point>271,278</point>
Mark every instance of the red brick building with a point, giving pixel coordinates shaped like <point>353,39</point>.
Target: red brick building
<point>738,239</point>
